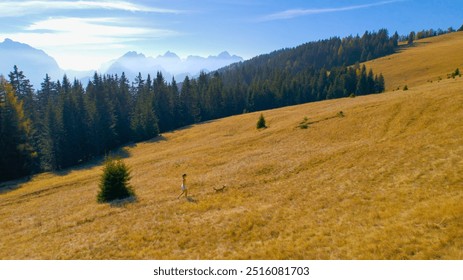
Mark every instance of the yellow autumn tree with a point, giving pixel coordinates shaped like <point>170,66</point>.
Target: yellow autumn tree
<point>16,154</point>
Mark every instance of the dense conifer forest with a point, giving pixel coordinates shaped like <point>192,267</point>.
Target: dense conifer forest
<point>63,123</point>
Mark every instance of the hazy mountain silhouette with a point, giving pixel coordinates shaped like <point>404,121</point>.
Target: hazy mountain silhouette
<point>36,63</point>
<point>33,62</point>
<point>170,64</point>
<point>131,64</point>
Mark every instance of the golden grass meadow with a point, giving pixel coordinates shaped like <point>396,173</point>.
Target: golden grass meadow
<point>382,180</point>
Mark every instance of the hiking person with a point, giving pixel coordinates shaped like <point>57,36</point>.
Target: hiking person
<point>183,187</point>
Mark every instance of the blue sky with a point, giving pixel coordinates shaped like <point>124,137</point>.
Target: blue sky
<point>82,35</point>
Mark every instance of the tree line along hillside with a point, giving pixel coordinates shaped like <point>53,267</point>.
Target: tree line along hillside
<point>64,123</point>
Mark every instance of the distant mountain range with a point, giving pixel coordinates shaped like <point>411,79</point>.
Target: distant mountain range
<point>170,64</point>
<point>36,63</point>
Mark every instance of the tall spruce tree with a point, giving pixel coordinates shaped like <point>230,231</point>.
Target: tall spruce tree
<point>123,107</point>
<point>24,91</point>
<point>144,122</point>
<point>163,104</point>
<point>101,116</point>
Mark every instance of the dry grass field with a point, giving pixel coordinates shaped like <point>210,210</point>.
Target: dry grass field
<point>382,180</point>
<point>429,60</point>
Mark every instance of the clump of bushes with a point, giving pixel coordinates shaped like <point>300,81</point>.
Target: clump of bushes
<point>454,74</point>
<point>261,122</point>
<point>114,183</point>
<point>405,87</point>
<point>304,124</point>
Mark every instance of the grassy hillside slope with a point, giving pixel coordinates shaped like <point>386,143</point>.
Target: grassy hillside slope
<point>382,180</point>
<point>429,60</point>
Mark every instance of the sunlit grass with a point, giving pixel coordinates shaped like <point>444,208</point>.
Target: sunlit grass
<point>430,60</point>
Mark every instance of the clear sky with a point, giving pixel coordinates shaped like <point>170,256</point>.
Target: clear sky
<point>81,35</point>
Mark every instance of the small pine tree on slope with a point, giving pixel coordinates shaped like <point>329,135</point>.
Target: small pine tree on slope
<point>114,183</point>
<point>261,122</point>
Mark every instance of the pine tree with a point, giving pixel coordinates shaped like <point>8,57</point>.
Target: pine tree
<point>23,89</point>
<point>379,83</point>
<point>25,93</point>
<point>123,107</point>
<point>174,92</point>
<point>144,123</point>
<point>114,183</point>
<point>212,98</point>
<point>261,122</point>
<point>47,99</point>
<point>20,83</point>
<point>16,153</point>
<point>370,82</point>
<point>189,102</point>
<point>362,81</point>
<point>101,116</point>
<point>163,104</point>
<point>411,38</point>
<point>321,85</point>
<point>47,91</point>
<point>73,136</point>
<point>51,149</point>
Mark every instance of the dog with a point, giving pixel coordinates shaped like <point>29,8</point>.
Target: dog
<point>217,190</point>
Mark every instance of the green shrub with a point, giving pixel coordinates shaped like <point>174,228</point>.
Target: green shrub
<point>405,87</point>
<point>261,122</point>
<point>454,74</point>
<point>114,183</point>
<point>304,124</point>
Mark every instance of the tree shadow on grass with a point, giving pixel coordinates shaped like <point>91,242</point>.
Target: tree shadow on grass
<point>9,186</point>
<point>159,138</point>
<point>404,47</point>
<point>120,203</point>
<point>191,199</point>
<point>122,152</point>
<point>12,185</point>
